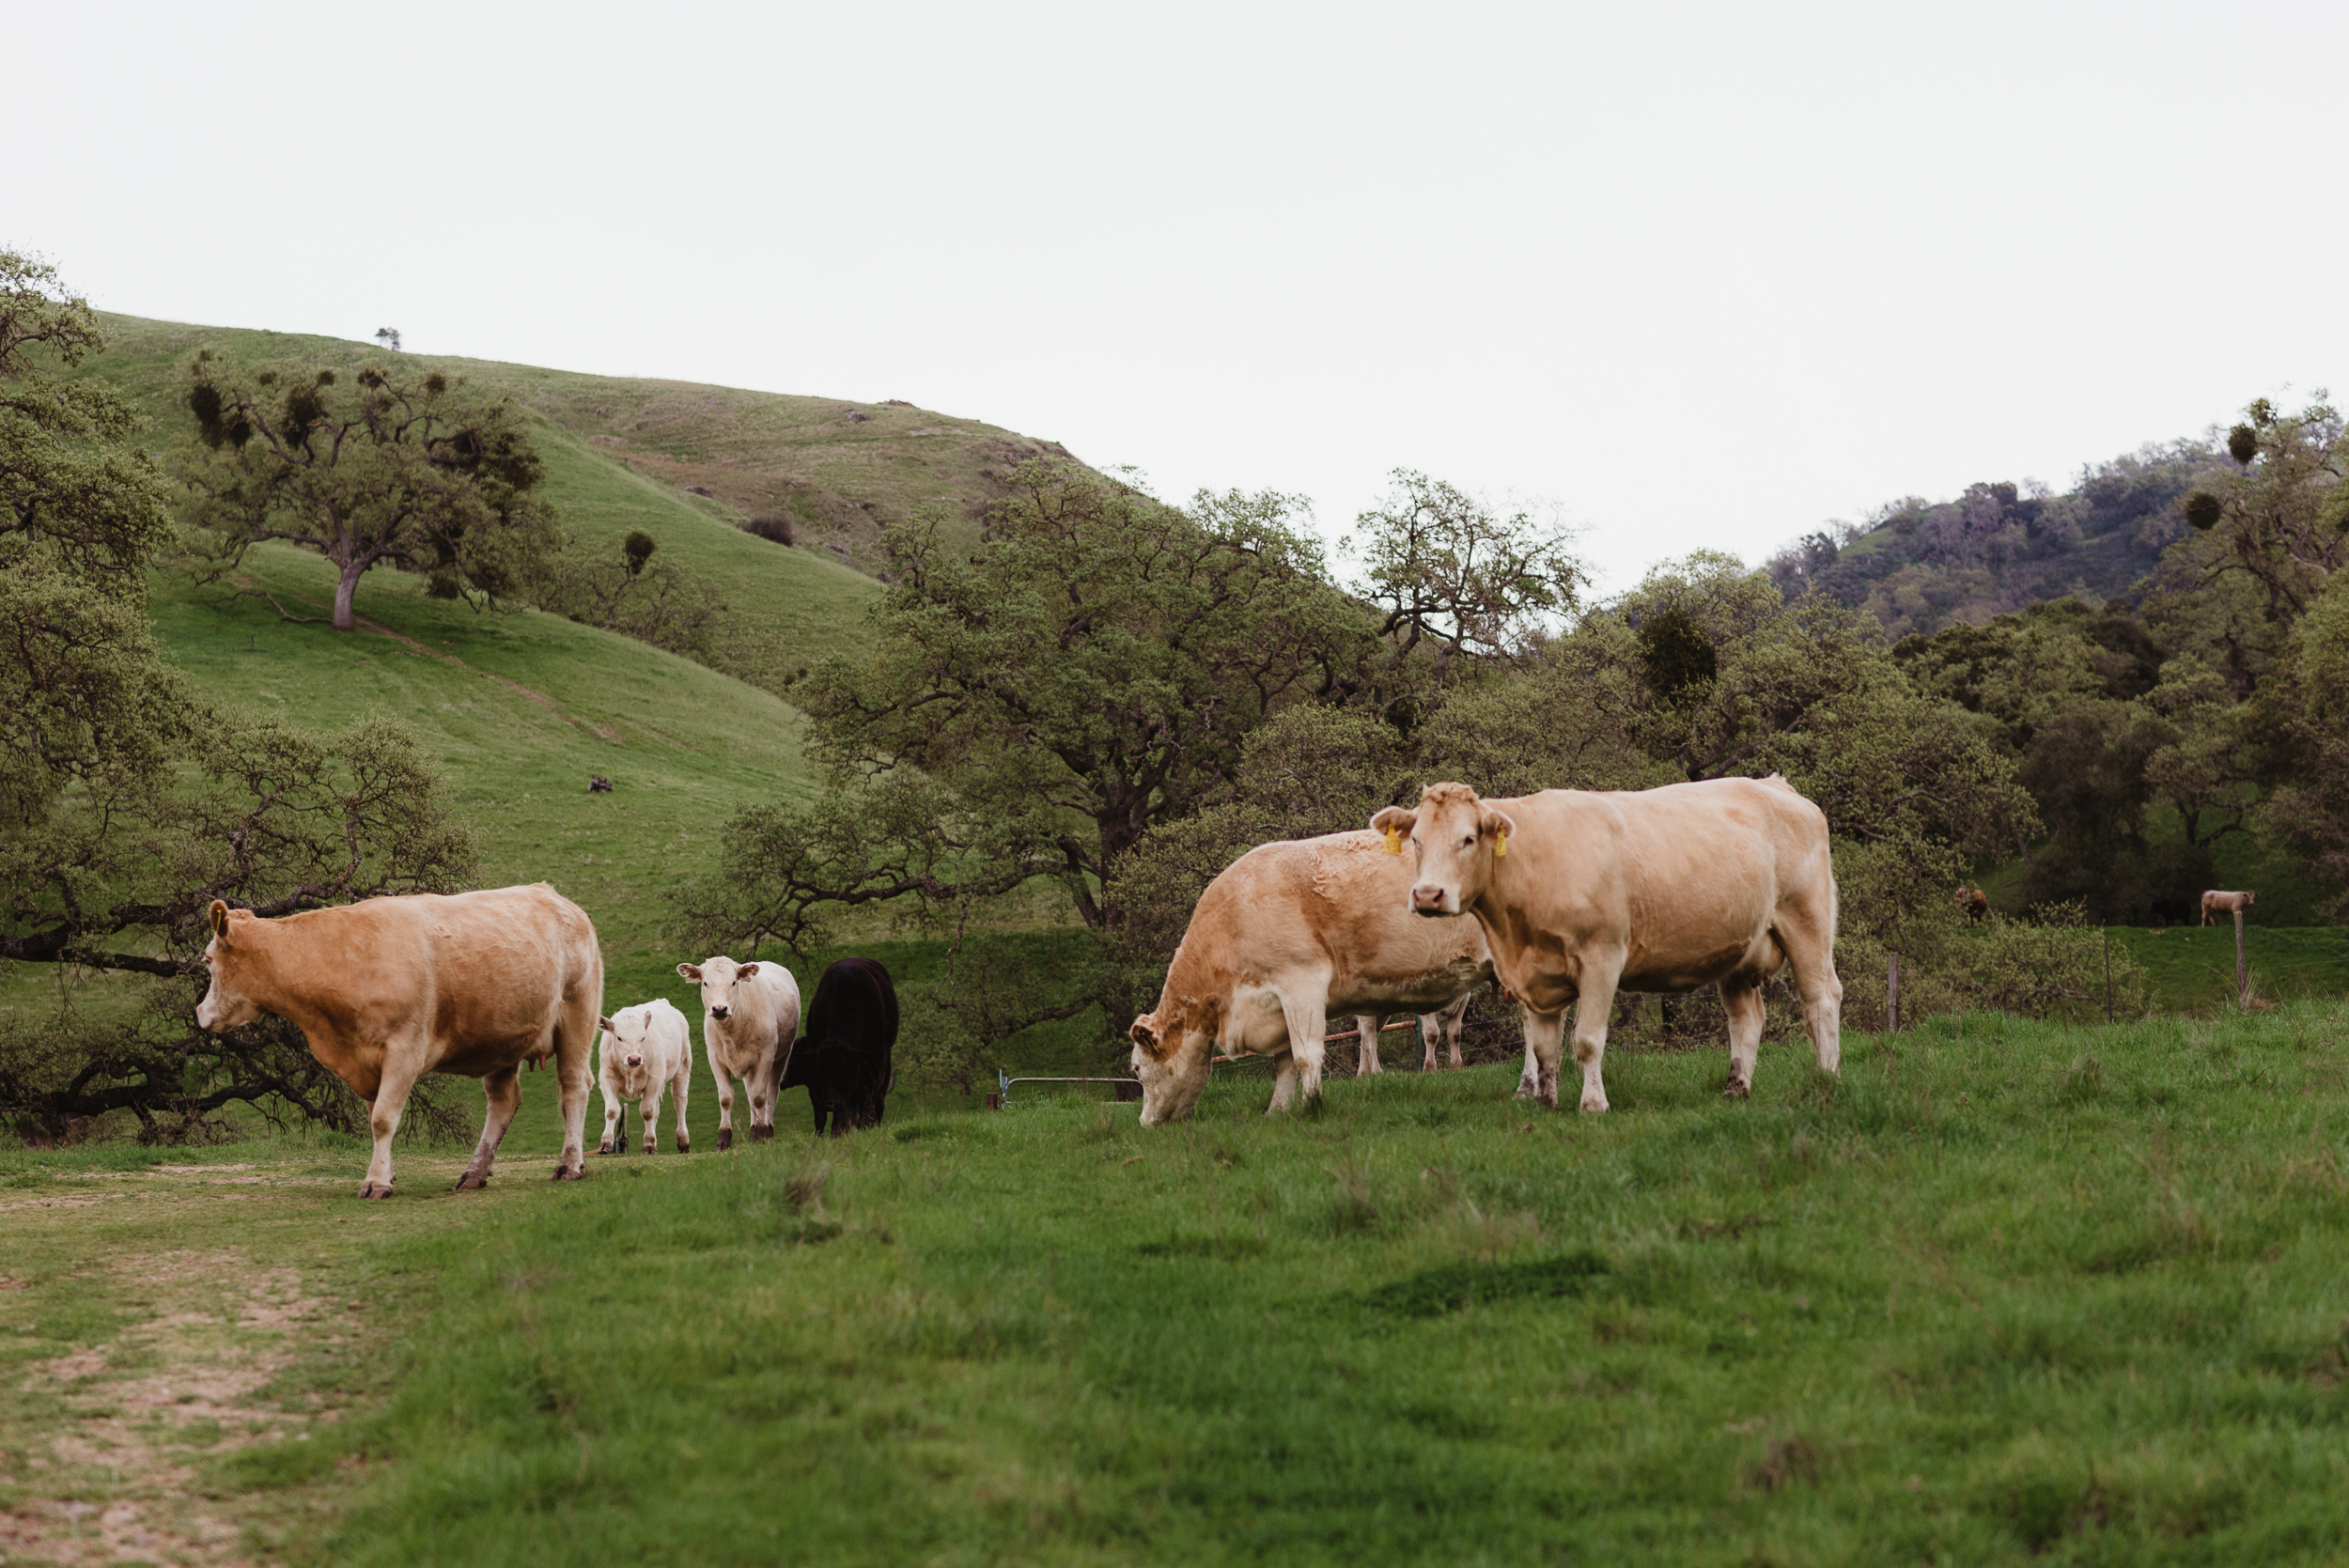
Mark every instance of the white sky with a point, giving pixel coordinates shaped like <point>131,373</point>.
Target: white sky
<point>1704,275</point>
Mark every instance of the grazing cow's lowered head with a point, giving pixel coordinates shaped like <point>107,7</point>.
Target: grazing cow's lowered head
<point>1172,1048</point>
<point>717,976</point>
<point>1452,837</point>
<point>225,1005</point>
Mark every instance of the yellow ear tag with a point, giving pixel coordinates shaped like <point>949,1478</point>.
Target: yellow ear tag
<point>1394,842</point>
<point>1501,844</point>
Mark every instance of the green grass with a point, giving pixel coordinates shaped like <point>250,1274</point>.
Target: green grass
<point>2004,1289</point>
<point>2192,967</point>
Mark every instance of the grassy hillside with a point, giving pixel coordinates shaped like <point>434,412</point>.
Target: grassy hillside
<point>2004,1291</point>
<point>839,471</point>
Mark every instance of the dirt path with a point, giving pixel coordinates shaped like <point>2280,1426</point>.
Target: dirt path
<point>113,1446</point>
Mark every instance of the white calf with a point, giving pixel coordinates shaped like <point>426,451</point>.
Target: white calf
<point>645,1048</point>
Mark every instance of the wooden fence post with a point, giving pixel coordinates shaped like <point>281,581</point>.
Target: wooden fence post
<point>2241,972</point>
<point>2107,974</point>
<point>1892,994</point>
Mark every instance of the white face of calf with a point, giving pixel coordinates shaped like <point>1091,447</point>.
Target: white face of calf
<point>1172,1047</point>
<point>225,1005</point>
<point>718,977</point>
<point>1452,838</point>
<point>626,1030</point>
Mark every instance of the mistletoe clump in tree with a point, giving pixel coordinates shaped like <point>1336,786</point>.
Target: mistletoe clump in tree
<point>399,468</point>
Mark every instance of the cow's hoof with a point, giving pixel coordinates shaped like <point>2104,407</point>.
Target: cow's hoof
<point>683,1148</point>
<point>470,1183</point>
<point>604,1148</point>
<point>726,1139</point>
<point>1737,1090</point>
<point>759,1134</point>
<point>568,1172</point>
<point>1595,1104</point>
<point>376,1189</point>
<point>651,1148</point>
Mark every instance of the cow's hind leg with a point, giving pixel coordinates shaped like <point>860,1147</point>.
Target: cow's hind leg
<point>575,1031</point>
<point>1741,998</point>
<point>678,1087</point>
<point>1366,1053</point>
<point>502,1091</point>
<point>1808,938</point>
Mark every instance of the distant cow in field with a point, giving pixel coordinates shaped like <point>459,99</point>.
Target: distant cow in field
<point>390,990</point>
<point>647,1049</point>
<point>846,1055</point>
<point>2225,904</point>
<point>1290,933</point>
<point>750,1017</point>
<point>1582,895</point>
<point>2173,912</point>
<point>1973,903</point>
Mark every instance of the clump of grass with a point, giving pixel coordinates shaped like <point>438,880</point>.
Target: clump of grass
<point>1433,1292</point>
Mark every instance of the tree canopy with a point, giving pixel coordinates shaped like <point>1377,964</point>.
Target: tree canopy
<point>401,468</point>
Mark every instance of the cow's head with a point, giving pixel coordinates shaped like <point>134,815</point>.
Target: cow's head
<point>718,977</point>
<point>624,1033</point>
<point>1452,838</point>
<point>1171,1050</point>
<point>228,956</point>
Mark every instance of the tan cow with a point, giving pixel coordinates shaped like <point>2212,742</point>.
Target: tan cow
<point>1582,895</point>
<point>1286,934</point>
<point>390,990</point>
<point>2216,903</point>
<point>647,1049</point>
<point>749,1018</point>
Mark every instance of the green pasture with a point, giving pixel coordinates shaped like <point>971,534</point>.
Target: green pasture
<point>2003,1290</point>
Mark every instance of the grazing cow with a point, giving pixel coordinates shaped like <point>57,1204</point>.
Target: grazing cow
<point>1973,903</point>
<point>2214,903</point>
<point>845,1054</point>
<point>1582,895</point>
<point>750,1017</point>
<point>1288,933</point>
<point>390,990</point>
<point>647,1049</point>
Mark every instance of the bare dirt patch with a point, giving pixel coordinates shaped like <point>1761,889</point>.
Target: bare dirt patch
<point>118,1480</point>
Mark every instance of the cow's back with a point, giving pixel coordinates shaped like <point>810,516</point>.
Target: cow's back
<point>1339,903</point>
<point>480,970</point>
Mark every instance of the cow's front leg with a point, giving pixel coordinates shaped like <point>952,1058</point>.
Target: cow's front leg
<point>762,1087</point>
<point>1284,1081</point>
<point>1590,1034</point>
<point>611,1125</point>
<point>502,1091</point>
<point>649,1107</point>
<point>1366,1055</point>
<point>1544,1052</point>
<point>391,1098</point>
<point>725,1105</point>
<point>677,1087</point>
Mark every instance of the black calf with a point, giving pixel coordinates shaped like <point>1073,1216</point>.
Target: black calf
<point>843,1050</point>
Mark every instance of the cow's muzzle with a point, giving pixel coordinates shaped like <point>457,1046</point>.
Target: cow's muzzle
<point>719,1012</point>
<point>1429,899</point>
<point>635,1060</point>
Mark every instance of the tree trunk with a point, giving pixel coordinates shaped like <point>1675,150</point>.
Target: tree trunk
<point>346,588</point>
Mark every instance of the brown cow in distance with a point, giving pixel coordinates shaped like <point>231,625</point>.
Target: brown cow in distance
<point>1973,903</point>
<point>390,990</point>
<point>2216,903</point>
<point>1581,895</point>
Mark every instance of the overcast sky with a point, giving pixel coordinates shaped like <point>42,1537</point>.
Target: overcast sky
<point>1704,275</point>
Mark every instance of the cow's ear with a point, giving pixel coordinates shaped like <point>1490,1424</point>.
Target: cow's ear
<point>218,916</point>
<point>1497,824</point>
<point>1145,1034</point>
<point>1396,824</point>
<point>605,1024</point>
<point>691,972</point>
<point>748,971</point>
